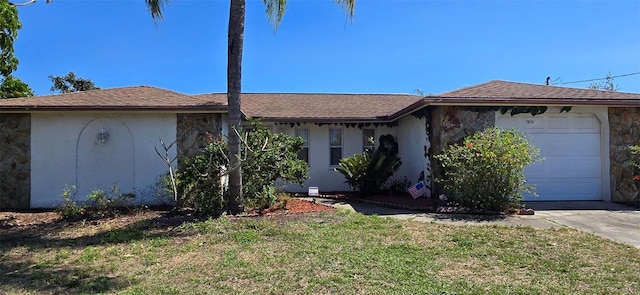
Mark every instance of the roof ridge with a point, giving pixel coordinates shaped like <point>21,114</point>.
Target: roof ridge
<point>313,93</point>
<point>530,85</point>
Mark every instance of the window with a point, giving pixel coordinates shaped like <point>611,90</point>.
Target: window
<point>335,146</point>
<point>368,139</point>
<point>304,152</point>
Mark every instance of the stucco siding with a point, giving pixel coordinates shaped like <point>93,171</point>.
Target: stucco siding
<point>321,173</point>
<point>66,151</point>
<point>412,146</point>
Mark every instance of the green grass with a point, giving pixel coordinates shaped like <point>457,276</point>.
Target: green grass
<point>332,253</point>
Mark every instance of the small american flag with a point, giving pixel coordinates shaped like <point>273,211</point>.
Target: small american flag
<point>417,190</point>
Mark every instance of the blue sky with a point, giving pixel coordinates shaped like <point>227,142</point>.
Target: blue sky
<point>390,47</point>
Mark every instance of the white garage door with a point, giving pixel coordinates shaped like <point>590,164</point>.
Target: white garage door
<point>570,146</point>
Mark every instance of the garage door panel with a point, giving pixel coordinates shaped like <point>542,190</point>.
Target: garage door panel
<point>567,189</point>
<point>559,124</point>
<point>573,166</point>
<point>587,124</point>
<point>570,146</point>
<point>557,166</point>
<point>567,144</point>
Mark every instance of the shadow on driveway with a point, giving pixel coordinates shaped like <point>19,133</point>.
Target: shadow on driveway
<point>579,205</point>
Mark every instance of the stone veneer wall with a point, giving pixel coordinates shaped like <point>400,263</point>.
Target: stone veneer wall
<point>451,124</point>
<point>195,131</point>
<point>624,130</point>
<point>15,161</point>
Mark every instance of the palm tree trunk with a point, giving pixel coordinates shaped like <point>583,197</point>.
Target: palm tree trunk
<point>234,79</point>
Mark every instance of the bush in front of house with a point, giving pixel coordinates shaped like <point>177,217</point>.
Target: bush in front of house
<point>198,181</point>
<point>70,207</point>
<point>98,203</point>
<point>265,158</point>
<point>367,172</point>
<point>486,172</point>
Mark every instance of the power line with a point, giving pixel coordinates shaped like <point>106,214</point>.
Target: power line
<point>591,80</point>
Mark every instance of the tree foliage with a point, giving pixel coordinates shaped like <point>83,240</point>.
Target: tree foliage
<point>275,10</point>
<point>9,26</point>
<point>606,85</point>
<point>265,158</point>
<point>11,87</point>
<point>71,83</point>
<point>486,172</point>
<point>198,181</point>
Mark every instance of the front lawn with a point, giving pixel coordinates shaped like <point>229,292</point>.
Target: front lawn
<point>320,253</point>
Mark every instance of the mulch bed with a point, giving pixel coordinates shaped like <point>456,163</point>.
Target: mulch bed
<point>293,206</point>
<point>396,200</point>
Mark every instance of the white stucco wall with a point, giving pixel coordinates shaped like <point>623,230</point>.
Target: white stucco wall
<point>412,142</point>
<point>56,140</point>
<point>321,174</point>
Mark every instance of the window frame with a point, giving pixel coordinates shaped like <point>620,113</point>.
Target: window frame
<point>332,146</point>
<point>305,145</point>
<point>365,141</point>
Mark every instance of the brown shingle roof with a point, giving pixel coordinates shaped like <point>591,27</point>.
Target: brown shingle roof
<point>495,92</point>
<point>125,98</point>
<point>318,107</point>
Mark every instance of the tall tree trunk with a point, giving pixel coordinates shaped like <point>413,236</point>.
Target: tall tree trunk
<point>234,79</point>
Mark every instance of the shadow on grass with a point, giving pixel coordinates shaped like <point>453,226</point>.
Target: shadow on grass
<point>57,279</point>
<point>53,276</point>
<point>47,235</point>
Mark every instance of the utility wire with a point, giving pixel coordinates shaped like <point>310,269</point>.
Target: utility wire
<point>591,80</point>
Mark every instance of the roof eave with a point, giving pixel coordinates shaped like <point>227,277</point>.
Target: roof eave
<point>180,109</point>
<point>530,101</point>
<point>326,120</point>
<point>422,103</point>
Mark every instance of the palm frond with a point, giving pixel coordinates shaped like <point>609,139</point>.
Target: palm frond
<point>275,11</point>
<point>155,8</point>
<point>348,6</point>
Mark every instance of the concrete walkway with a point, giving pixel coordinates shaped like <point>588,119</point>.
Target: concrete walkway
<point>612,221</point>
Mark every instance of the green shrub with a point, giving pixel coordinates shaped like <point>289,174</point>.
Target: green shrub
<point>266,157</point>
<point>354,169</point>
<point>198,181</point>
<point>485,173</point>
<point>70,209</point>
<point>100,203</point>
<point>106,203</point>
<point>367,172</point>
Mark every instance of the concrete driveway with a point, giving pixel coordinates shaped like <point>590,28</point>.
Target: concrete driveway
<point>609,220</point>
<point>612,221</point>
